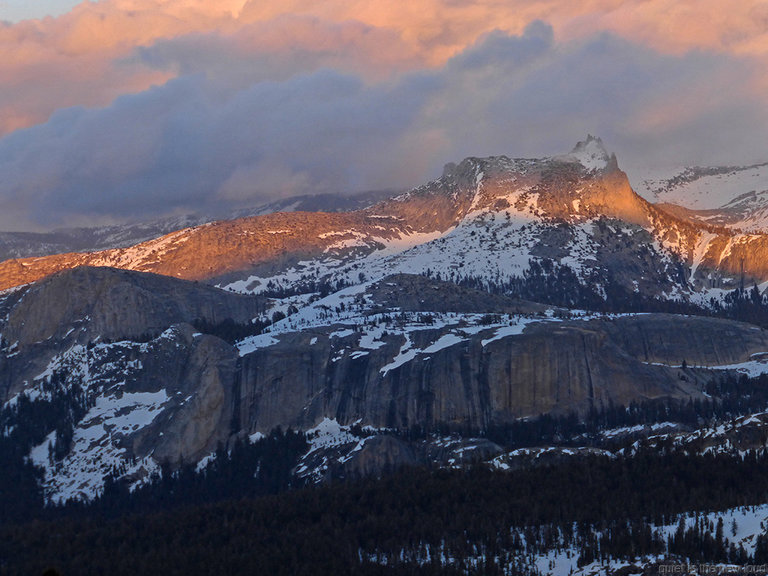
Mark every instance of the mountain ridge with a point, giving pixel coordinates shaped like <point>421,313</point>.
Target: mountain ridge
<point>549,190</point>
<point>92,239</point>
<point>474,302</point>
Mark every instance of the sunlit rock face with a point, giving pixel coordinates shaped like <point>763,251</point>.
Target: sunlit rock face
<point>565,200</point>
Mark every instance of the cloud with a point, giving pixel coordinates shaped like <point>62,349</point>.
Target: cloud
<point>530,95</point>
<point>101,50</point>
<point>204,142</point>
<point>282,47</point>
<point>678,26</point>
<point>124,109</point>
<point>179,148</point>
<point>83,57</point>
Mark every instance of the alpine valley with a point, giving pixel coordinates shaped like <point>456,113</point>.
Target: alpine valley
<point>521,367</point>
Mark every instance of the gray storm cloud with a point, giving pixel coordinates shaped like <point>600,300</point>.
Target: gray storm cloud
<point>204,142</point>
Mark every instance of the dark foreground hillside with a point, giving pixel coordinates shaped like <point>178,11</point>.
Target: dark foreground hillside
<point>417,521</point>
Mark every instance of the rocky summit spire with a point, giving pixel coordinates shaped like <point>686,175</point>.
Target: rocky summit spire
<point>591,154</point>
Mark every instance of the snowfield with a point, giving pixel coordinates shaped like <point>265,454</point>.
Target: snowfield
<point>95,451</point>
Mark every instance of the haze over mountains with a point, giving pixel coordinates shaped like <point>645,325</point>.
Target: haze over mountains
<point>433,326</point>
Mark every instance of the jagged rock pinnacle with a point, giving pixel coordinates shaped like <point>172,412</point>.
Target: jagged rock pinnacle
<point>591,154</point>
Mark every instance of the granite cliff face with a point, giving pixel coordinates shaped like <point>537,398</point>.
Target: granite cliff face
<point>109,304</point>
<point>551,367</point>
<point>199,375</point>
<point>122,341</point>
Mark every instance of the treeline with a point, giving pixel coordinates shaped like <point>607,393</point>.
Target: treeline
<point>244,470</point>
<point>265,467</point>
<point>25,424</point>
<point>411,522</point>
<point>730,396</point>
<point>306,284</point>
<point>746,305</point>
<point>549,282</point>
<point>704,541</point>
<point>543,281</point>
<point>229,330</point>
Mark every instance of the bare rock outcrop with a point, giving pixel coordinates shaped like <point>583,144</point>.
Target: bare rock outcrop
<point>198,418</point>
<point>552,367</point>
<point>110,304</point>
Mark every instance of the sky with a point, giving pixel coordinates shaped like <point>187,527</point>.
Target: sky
<point>123,110</point>
<point>16,10</point>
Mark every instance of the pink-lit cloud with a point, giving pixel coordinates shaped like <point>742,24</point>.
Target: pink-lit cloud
<point>84,57</point>
<point>121,108</point>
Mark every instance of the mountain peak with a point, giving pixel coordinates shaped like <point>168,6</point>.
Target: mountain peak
<point>591,154</point>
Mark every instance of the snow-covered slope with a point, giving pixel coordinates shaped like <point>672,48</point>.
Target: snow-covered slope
<point>701,188</point>
<point>117,406</point>
<point>591,154</point>
<point>26,244</point>
<point>735,197</point>
<point>484,219</point>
